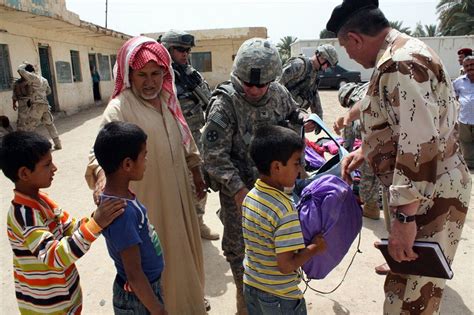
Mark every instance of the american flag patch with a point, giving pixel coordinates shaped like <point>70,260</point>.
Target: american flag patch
<point>219,120</point>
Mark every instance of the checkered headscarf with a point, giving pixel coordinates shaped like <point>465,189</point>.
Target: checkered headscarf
<point>136,53</point>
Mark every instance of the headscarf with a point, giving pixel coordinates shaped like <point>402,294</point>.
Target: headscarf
<point>136,53</point>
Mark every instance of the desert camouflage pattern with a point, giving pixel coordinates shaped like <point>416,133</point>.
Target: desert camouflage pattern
<point>257,61</point>
<point>410,141</point>
<point>21,94</point>
<point>39,86</point>
<point>230,125</point>
<point>299,77</point>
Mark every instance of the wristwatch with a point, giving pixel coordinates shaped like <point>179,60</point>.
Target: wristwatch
<point>403,218</point>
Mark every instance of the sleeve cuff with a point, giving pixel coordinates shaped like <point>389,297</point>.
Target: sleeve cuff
<point>92,226</point>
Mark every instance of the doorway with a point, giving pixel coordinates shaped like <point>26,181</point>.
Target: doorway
<point>47,72</point>
<point>95,77</point>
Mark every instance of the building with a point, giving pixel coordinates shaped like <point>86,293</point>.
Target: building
<point>445,46</point>
<point>62,48</point>
<point>215,50</point>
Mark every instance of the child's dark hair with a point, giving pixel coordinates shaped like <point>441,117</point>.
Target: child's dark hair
<point>273,143</point>
<point>21,149</point>
<point>117,141</point>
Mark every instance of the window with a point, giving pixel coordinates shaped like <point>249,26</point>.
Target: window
<point>202,61</point>
<point>6,77</point>
<point>113,60</point>
<point>104,67</point>
<point>76,66</point>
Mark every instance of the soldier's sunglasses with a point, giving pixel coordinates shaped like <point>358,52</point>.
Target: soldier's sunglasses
<point>182,49</point>
<point>247,84</point>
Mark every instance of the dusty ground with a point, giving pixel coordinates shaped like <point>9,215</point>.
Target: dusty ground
<point>361,293</point>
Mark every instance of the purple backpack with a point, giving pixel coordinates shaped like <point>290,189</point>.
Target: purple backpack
<point>328,206</point>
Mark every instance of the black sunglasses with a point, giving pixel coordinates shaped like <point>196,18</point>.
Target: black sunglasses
<point>182,49</point>
<point>247,84</point>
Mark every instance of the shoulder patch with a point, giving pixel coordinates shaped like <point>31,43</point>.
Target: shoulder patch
<point>219,120</point>
<point>212,135</point>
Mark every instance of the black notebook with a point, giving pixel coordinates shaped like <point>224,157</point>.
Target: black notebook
<point>431,261</point>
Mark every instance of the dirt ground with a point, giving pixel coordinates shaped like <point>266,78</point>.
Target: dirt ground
<point>361,292</point>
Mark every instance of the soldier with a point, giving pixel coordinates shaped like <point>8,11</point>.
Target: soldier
<point>463,53</point>
<point>300,77</point>
<point>193,95</point>
<point>408,119</point>
<point>38,112</point>
<point>250,99</point>
<point>21,101</point>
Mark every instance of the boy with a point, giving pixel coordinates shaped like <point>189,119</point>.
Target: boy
<point>46,241</point>
<point>120,149</point>
<point>274,245</point>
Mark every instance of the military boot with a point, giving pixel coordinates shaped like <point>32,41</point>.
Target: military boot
<point>206,232</point>
<point>57,144</point>
<point>371,210</point>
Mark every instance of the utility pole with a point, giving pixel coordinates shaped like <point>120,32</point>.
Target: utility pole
<point>106,6</point>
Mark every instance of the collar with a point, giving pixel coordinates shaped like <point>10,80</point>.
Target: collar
<point>261,184</point>
<point>23,199</point>
<point>384,53</point>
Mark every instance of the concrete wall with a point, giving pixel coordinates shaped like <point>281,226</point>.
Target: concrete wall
<point>24,31</point>
<point>223,45</point>
<point>446,47</point>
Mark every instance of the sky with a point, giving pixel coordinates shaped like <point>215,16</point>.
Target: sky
<point>298,18</point>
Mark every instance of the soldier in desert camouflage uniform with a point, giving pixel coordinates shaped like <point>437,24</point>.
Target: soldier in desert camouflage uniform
<point>348,95</point>
<point>408,122</point>
<point>250,99</point>
<point>21,101</point>
<point>300,77</point>
<point>193,95</point>
<point>38,112</point>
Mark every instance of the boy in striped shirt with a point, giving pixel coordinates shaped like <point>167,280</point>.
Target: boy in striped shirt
<point>46,240</point>
<point>274,245</point>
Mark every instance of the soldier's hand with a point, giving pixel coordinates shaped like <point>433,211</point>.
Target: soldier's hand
<point>108,210</point>
<point>201,188</point>
<point>14,106</point>
<point>350,163</point>
<point>339,125</point>
<point>99,186</point>
<point>309,126</point>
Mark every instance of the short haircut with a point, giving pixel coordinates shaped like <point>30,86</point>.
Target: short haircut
<point>30,68</point>
<point>369,22</point>
<point>467,58</point>
<point>22,149</point>
<point>117,141</point>
<point>273,143</point>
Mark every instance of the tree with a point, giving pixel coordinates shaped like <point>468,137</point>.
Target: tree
<point>326,34</point>
<point>427,30</point>
<point>431,30</point>
<point>456,17</point>
<point>419,30</point>
<point>284,47</point>
<point>398,25</point>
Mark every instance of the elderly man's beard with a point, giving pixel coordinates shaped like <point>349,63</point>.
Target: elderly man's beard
<point>147,97</point>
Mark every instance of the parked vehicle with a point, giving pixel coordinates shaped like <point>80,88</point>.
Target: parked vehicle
<point>337,76</point>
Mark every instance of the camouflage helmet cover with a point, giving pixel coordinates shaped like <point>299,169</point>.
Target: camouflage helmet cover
<point>257,62</point>
<point>176,38</point>
<point>345,92</point>
<point>328,52</point>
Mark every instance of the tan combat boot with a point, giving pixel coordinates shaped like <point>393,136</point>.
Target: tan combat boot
<point>371,210</point>
<point>57,144</point>
<point>206,232</point>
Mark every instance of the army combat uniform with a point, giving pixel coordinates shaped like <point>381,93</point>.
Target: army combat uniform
<point>230,125</point>
<point>38,112</point>
<point>411,144</point>
<point>299,77</point>
<point>21,95</point>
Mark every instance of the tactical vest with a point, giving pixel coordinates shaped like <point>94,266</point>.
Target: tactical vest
<point>305,86</point>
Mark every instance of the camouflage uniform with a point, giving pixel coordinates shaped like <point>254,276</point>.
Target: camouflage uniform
<point>21,95</point>
<point>38,112</point>
<point>369,184</point>
<point>231,122</point>
<point>411,143</point>
<point>302,81</point>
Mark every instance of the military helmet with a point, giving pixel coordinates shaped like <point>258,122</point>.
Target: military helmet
<point>345,92</point>
<point>328,52</point>
<point>176,38</point>
<point>257,62</point>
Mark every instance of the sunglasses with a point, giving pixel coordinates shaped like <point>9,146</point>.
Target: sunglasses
<point>247,84</point>
<point>182,49</point>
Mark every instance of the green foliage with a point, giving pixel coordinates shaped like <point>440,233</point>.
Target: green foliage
<point>426,30</point>
<point>456,17</point>
<point>398,25</point>
<point>284,47</point>
<point>326,34</point>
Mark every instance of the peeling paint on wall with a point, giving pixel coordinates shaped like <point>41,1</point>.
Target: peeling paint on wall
<point>14,4</point>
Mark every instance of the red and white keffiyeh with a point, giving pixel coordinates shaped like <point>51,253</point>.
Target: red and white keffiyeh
<point>136,53</point>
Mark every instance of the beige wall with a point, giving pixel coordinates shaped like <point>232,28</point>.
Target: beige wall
<point>222,44</point>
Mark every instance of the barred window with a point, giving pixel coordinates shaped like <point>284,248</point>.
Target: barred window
<point>6,77</point>
<point>104,67</point>
<point>76,66</point>
<point>202,61</point>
